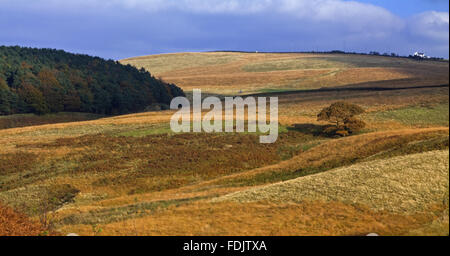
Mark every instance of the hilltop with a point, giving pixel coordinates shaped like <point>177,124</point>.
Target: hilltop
<point>248,73</point>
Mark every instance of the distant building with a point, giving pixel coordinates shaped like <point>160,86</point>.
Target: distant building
<point>420,55</point>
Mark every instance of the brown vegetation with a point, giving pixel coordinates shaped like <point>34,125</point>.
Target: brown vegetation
<point>312,218</point>
<point>23,120</point>
<point>13,223</point>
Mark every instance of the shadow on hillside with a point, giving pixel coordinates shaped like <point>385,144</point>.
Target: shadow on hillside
<point>24,120</point>
<point>312,129</point>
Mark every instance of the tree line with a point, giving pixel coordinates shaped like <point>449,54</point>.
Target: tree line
<point>46,81</point>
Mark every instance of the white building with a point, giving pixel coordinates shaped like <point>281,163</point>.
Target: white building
<point>420,55</point>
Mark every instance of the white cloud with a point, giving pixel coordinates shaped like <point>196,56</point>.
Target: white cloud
<point>356,16</point>
<point>193,6</point>
<point>432,25</point>
<point>318,8</point>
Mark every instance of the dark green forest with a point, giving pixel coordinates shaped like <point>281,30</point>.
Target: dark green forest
<point>44,81</point>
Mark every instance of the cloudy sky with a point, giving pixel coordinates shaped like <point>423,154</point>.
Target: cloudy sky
<point>118,29</point>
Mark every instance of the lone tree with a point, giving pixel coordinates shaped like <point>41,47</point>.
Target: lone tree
<point>342,115</point>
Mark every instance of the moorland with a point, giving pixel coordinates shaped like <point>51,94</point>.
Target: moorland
<point>131,175</point>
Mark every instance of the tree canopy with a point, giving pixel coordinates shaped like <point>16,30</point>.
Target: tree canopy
<point>46,80</point>
<point>339,111</point>
<point>342,115</point>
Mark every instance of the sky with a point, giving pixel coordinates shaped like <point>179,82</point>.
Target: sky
<point>118,29</point>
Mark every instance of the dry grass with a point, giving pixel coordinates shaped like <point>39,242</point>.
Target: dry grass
<point>256,219</point>
<point>406,184</point>
<point>106,209</point>
<point>113,173</point>
<point>118,166</point>
<point>337,153</point>
<point>231,73</point>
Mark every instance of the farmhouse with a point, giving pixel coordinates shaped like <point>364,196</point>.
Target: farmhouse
<point>420,55</point>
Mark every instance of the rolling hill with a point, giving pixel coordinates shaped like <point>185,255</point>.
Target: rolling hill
<point>244,73</point>
<point>131,175</point>
<point>405,184</point>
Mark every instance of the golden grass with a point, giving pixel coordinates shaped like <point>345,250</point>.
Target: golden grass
<point>405,184</point>
<point>330,154</point>
<point>95,198</point>
<point>217,187</point>
<point>159,64</point>
<point>231,73</point>
<point>312,218</point>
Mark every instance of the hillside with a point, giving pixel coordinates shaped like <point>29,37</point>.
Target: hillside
<point>405,184</point>
<point>243,73</point>
<point>47,81</point>
<point>132,175</point>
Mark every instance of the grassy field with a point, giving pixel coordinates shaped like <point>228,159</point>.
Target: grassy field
<point>423,115</point>
<point>243,73</point>
<point>131,175</point>
<point>403,184</point>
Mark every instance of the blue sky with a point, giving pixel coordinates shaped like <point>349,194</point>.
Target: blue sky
<point>124,28</point>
